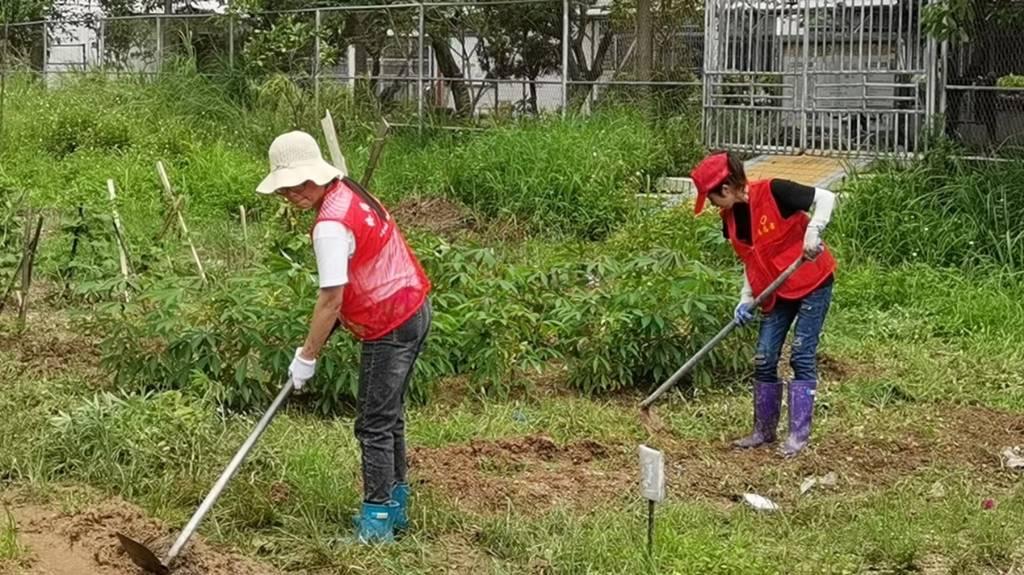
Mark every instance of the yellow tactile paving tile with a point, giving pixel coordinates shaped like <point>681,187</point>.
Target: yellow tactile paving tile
<point>807,170</point>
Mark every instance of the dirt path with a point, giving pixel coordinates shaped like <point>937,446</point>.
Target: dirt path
<point>534,474</point>
<point>83,543</point>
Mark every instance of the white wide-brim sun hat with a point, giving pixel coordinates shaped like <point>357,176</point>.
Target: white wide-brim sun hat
<point>295,159</point>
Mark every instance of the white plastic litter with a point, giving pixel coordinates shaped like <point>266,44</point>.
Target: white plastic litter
<point>808,484</point>
<point>828,480</point>
<point>652,474</point>
<point>1013,457</point>
<point>759,502</point>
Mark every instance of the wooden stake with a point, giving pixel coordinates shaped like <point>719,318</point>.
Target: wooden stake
<point>122,249</point>
<point>245,232</point>
<point>27,278</point>
<point>169,219</point>
<point>181,219</point>
<point>25,270</point>
<point>375,150</point>
<point>17,269</point>
<point>327,123</point>
<point>69,271</point>
<point>26,247</point>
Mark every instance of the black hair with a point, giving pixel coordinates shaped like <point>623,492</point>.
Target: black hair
<point>366,197</point>
<point>737,175</point>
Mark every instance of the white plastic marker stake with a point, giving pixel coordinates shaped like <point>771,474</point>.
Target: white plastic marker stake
<point>327,123</point>
<point>652,487</point>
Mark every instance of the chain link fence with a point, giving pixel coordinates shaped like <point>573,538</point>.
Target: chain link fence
<point>442,63</point>
<point>461,64</point>
<point>984,93</point>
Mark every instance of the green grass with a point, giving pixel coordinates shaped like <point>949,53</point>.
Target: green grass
<point>922,384</point>
<point>10,549</point>
<point>897,387</point>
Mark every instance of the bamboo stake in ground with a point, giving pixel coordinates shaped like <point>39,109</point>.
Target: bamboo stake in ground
<point>77,231</point>
<point>17,270</point>
<point>168,224</point>
<point>375,150</point>
<point>245,232</point>
<point>26,277</point>
<point>181,219</point>
<point>122,249</point>
<point>327,123</point>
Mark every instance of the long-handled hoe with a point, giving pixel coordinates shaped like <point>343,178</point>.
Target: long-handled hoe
<point>648,418</point>
<point>149,561</point>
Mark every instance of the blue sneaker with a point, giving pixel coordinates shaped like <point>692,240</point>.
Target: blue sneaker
<point>400,495</point>
<point>376,523</point>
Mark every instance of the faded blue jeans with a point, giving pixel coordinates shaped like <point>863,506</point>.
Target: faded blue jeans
<point>809,314</point>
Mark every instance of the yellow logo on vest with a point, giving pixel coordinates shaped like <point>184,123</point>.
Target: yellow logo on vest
<point>764,226</point>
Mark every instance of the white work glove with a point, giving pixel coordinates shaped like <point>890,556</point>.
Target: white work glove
<point>812,241</point>
<point>744,313</point>
<point>301,370</point>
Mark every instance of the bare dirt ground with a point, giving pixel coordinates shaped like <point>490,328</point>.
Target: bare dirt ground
<point>535,474</point>
<point>58,542</point>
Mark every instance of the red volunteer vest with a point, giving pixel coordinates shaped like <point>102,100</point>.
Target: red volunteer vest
<point>386,283</point>
<point>776,243</point>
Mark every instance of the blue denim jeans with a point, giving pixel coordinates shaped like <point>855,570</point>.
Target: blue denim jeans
<point>809,314</point>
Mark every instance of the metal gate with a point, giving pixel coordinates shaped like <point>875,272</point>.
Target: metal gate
<point>817,76</point>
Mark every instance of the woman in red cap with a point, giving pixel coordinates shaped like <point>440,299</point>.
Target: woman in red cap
<point>770,224</point>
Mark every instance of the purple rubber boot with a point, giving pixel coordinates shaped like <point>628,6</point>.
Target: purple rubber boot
<point>767,403</point>
<point>801,411</point>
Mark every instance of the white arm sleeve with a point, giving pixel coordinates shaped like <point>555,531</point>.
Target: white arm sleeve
<point>821,208</point>
<point>746,292</point>
<point>333,244</point>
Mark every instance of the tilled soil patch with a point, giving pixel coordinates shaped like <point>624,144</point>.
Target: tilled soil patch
<point>84,542</point>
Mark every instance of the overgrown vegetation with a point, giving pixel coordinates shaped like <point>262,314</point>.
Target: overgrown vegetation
<point>942,212</point>
<point>558,282</point>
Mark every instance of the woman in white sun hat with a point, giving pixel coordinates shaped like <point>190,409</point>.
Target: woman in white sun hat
<point>371,283</point>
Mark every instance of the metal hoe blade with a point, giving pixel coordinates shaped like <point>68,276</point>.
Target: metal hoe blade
<point>142,556</point>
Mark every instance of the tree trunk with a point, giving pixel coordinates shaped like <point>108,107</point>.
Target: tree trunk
<point>450,69</point>
<point>579,68</point>
<point>644,40</point>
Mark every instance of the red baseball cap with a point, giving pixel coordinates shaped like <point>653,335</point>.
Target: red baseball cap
<point>708,175</point>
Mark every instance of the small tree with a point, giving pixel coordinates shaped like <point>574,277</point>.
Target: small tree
<point>25,43</point>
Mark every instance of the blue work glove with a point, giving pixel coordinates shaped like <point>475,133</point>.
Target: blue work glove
<point>744,313</point>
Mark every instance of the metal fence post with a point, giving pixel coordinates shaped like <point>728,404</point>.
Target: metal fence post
<point>101,31</point>
<point>159,44</point>
<point>231,41</point>
<point>804,99</point>
<point>943,76</point>
<point>419,79</point>
<point>316,64</point>
<point>46,49</point>
<point>565,57</point>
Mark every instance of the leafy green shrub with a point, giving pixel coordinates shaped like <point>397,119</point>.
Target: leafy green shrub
<point>1010,81</point>
<point>621,314</point>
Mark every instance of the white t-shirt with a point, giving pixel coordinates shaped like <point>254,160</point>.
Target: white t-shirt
<point>333,244</point>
